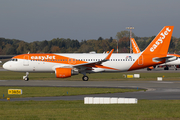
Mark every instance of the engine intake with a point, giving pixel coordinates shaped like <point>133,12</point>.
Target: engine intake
<point>65,72</point>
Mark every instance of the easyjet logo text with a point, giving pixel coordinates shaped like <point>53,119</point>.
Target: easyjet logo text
<point>43,57</point>
<point>160,40</point>
<point>135,47</point>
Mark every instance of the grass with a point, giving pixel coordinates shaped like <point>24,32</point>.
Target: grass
<point>59,91</point>
<point>76,110</point>
<point>8,75</point>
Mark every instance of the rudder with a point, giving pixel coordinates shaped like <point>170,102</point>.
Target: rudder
<point>160,44</point>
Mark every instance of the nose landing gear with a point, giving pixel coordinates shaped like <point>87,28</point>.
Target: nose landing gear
<point>26,78</point>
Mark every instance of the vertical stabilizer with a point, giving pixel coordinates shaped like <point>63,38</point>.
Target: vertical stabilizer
<point>160,44</point>
<point>157,50</point>
<point>135,46</point>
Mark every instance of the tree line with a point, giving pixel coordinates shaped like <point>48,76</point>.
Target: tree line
<point>62,45</point>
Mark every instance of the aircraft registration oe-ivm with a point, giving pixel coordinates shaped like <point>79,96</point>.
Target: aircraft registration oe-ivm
<point>66,65</point>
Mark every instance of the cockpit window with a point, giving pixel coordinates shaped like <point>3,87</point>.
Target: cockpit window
<point>14,60</point>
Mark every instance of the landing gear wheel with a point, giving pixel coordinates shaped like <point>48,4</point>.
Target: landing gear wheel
<point>148,69</point>
<point>26,78</point>
<point>85,78</point>
<point>166,68</point>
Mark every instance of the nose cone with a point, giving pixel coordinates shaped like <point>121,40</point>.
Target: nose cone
<point>5,66</point>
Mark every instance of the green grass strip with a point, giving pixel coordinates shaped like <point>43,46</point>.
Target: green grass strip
<point>77,110</point>
<point>59,91</point>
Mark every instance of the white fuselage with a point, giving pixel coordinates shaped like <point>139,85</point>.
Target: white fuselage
<point>117,62</point>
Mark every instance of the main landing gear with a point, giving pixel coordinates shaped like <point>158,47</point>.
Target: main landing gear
<point>26,78</point>
<point>175,68</point>
<point>85,78</point>
<point>166,68</point>
<point>149,69</point>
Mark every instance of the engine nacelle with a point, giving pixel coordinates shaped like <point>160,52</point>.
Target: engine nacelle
<point>65,72</point>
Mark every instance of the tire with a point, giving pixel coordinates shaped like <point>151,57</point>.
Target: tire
<point>148,69</point>
<point>85,78</point>
<point>166,68</point>
<point>26,78</point>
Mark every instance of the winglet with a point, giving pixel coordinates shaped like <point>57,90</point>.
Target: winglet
<point>109,55</point>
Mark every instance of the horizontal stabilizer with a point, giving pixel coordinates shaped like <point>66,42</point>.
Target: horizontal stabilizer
<point>168,59</point>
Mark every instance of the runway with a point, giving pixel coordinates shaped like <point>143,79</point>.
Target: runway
<point>156,90</point>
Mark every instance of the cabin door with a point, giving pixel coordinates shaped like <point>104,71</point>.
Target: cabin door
<point>140,60</point>
<point>26,60</point>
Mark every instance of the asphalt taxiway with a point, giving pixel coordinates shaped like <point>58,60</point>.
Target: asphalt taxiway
<point>156,90</point>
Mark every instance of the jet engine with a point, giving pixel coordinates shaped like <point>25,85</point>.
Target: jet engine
<point>65,72</point>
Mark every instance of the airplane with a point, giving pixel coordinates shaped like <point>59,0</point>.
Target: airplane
<point>173,62</point>
<point>68,64</point>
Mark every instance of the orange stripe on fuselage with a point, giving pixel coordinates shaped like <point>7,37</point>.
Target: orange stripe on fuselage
<point>53,58</point>
<point>100,66</point>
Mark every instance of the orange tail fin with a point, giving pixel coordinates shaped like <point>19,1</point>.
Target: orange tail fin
<point>160,44</point>
<point>135,46</point>
<point>156,52</point>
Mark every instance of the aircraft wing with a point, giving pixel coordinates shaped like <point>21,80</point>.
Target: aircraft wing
<point>88,65</point>
<point>92,64</point>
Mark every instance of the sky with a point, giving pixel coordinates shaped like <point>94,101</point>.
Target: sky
<point>38,20</point>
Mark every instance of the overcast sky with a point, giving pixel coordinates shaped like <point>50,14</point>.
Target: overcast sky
<point>38,20</point>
